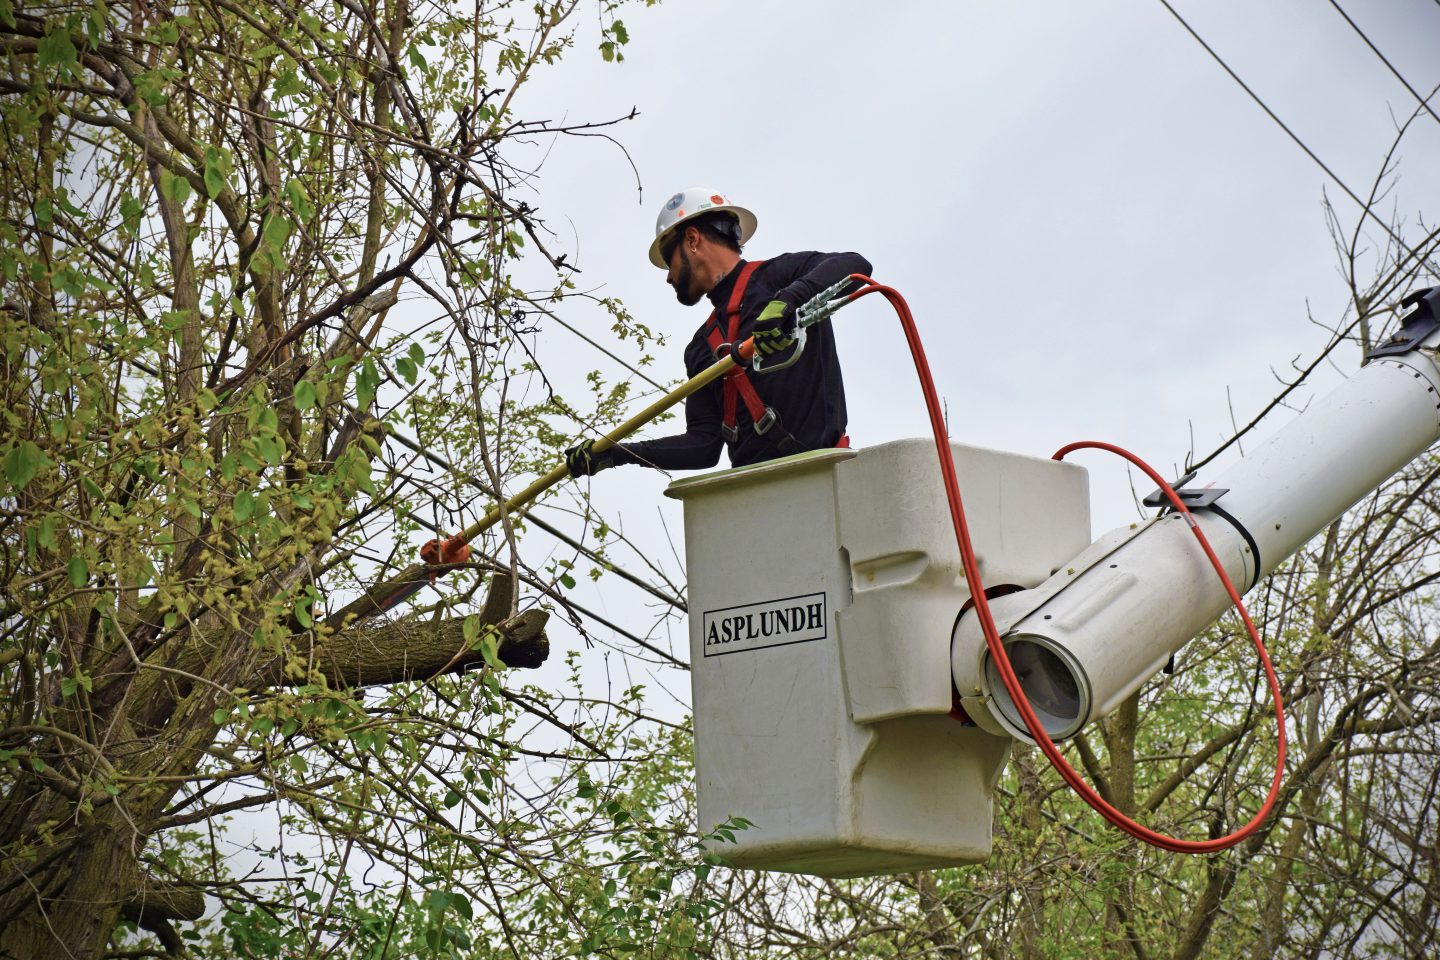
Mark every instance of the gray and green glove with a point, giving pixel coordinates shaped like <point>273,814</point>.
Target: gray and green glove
<point>582,460</point>
<point>774,330</point>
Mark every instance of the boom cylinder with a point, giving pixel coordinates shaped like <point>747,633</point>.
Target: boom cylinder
<point>1095,631</point>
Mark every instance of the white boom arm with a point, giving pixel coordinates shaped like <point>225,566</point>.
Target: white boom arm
<point>1102,625</point>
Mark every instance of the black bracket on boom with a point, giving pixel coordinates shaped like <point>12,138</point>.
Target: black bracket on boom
<point>1420,319</point>
<point>1205,498</point>
<point>1194,499</point>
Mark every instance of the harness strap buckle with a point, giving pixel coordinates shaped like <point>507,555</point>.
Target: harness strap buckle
<point>728,431</point>
<point>727,349</point>
<point>767,421</point>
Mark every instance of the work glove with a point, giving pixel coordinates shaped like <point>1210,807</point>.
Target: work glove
<point>774,330</point>
<point>582,460</point>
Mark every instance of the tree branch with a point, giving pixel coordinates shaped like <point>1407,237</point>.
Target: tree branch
<point>383,653</point>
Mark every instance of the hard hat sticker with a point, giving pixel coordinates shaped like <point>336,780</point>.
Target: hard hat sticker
<point>770,623</point>
<point>675,201</point>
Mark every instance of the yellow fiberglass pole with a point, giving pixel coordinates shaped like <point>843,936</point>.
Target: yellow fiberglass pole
<point>388,593</point>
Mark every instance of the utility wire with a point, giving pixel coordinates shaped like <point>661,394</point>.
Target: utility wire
<point>1424,102</point>
<point>556,317</point>
<point>1364,207</point>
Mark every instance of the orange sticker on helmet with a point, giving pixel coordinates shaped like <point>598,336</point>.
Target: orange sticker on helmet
<point>716,198</point>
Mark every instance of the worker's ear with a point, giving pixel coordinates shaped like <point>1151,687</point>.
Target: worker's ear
<point>692,238</point>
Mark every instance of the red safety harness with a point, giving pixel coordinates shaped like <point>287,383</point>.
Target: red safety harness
<point>736,383</point>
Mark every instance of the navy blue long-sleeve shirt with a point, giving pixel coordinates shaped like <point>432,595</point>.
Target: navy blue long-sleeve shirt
<point>809,396</point>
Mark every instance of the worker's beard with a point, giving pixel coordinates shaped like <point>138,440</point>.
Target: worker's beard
<point>687,291</point>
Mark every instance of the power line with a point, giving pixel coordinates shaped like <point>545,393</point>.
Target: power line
<point>1364,207</point>
<point>1424,102</point>
<point>556,317</point>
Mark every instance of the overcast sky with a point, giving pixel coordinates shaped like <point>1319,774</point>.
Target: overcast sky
<point>1100,234</point>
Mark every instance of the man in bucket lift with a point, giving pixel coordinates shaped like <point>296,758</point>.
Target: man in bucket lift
<point>698,239</point>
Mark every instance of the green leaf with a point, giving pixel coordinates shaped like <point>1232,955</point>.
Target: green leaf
<point>94,22</point>
<point>302,612</point>
<point>55,49</point>
<point>417,354</point>
<point>277,232</point>
<point>151,86</point>
<point>367,382</point>
<point>130,211</point>
<point>304,395</point>
<point>7,13</point>
<point>490,650</point>
<point>271,449</point>
<point>406,367</point>
<point>568,581</point>
<point>299,200</point>
<point>63,196</point>
<point>359,473</point>
<point>215,172</point>
<point>68,686</point>
<point>436,901</point>
<point>176,188</point>
<point>220,716</point>
<point>23,462</point>
<point>288,84</point>
<point>244,505</point>
<point>78,571</point>
<point>46,537</point>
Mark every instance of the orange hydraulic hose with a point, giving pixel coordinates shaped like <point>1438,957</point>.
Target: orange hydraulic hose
<point>992,634</point>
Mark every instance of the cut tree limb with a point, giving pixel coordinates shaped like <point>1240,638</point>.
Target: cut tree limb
<point>374,654</point>
<point>384,653</point>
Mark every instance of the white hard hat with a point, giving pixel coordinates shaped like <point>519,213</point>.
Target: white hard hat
<point>689,204</point>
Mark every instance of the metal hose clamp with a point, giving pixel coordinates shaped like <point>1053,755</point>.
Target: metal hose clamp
<point>811,312</point>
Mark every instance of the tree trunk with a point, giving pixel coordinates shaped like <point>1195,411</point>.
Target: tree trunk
<point>67,908</point>
<point>83,874</point>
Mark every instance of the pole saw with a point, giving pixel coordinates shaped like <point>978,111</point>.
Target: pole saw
<point>441,556</point>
